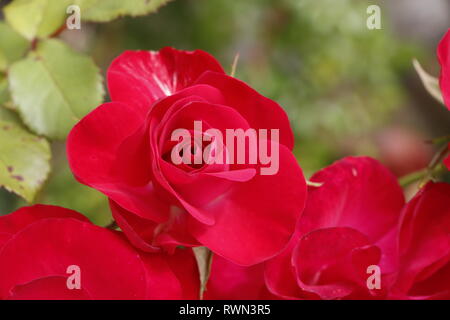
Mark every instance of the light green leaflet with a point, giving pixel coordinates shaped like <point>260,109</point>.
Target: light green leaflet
<point>24,157</point>
<point>41,18</point>
<point>54,87</point>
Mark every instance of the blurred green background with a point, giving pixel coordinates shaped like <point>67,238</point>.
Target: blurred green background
<point>348,90</point>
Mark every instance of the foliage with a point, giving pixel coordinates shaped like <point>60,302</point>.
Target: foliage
<point>24,157</point>
<point>42,86</point>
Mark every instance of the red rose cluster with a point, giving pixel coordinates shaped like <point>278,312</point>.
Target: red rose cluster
<point>349,235</point>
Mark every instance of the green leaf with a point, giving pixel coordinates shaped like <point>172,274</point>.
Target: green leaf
<point>3,62</point>
<point>36,18</point>
<point>430,83</point>
<point>12,46</point>
<point>107,10</point>
<point>24,158</point>
<point>54,87</point>
<point>4,94</point>
<point>41,18</point>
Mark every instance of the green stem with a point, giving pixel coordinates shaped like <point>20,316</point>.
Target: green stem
<point>412,177</point>
<point>429,172</point>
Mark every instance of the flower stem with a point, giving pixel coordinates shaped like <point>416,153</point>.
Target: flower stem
<point>429,172</point>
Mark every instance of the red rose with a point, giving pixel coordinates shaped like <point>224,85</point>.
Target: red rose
<point>424,245</point>
<point>444,59</point>
<point>348,227</point>
<point>49,252</point>
<point>125,149</point>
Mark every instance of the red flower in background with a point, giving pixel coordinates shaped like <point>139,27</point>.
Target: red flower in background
<point>424,245</point>
<point>356,219</point>
<point>349,224</point>
<point>39,243</point>
<point>444,59</point>
<point>122,147</point>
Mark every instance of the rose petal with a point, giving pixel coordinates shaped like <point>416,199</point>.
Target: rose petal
<point>92,149</point>
<point>140,78</point>
<point>93,142</point>
<point>435,286</point>
<point>12,223</point>
<point>424,240</point>
<point>333,262</point>
<point>48,288</point>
